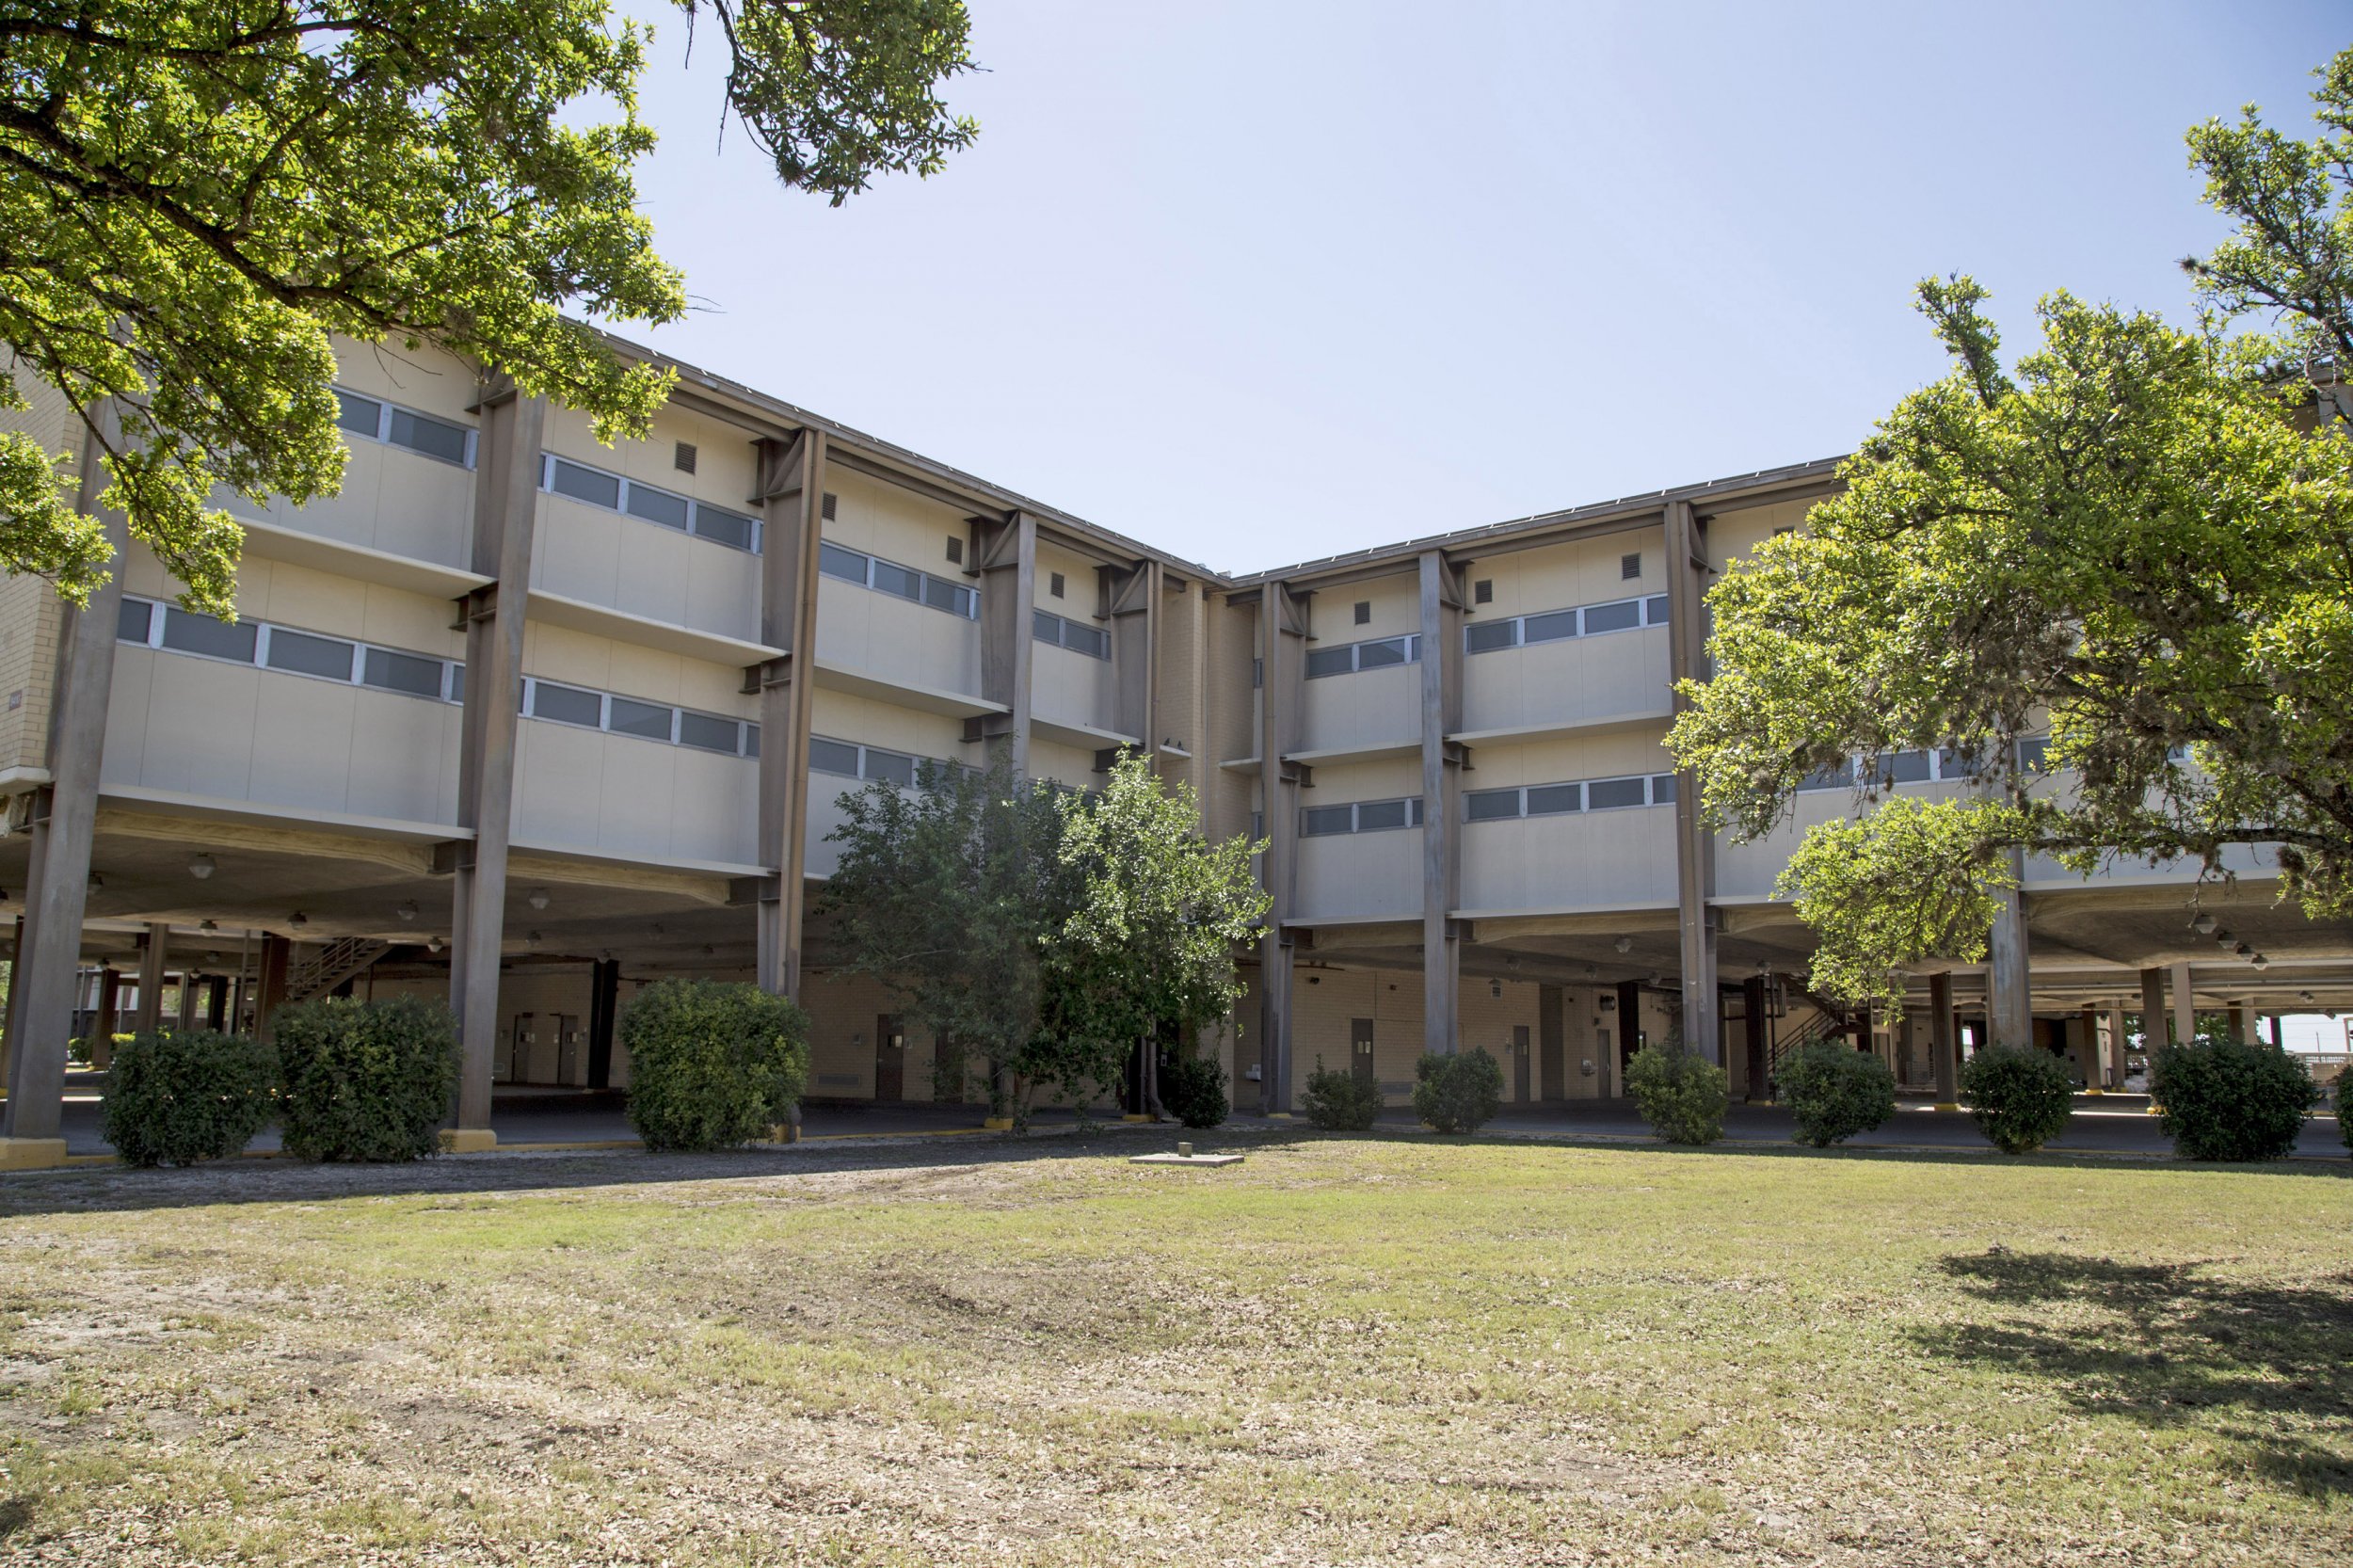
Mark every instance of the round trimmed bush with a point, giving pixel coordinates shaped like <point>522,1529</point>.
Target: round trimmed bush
<point>712,1063</point>
<point>1835,1091</point>
<point>364,1080</point>
<point>1681,1095</point>
<point>2019,1098</point>
<point>2227,1099</point>
<point>1458,1090</point>
<point>173,1098</point>
<point>1193,1088</point>
<point>1337,1103</point>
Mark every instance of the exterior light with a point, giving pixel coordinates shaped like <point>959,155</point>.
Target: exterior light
<point>2203,925</point>
<point>533,938</point>
<point>433,944</point>
<point>2303,996</point>
<point>536,898</point>
<point>2259,962</point>
<point>200,866</point>
<point>408,910</point>
<point>1625,944</point>
<point>2225,936</point>
<point>208,925</point>
<point>299,920</point>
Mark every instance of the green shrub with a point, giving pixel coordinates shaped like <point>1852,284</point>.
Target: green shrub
<point>1681,1095</point>
<point>2226,1100</point>
<point>2019,1098</point>
<point>1835,1091</point>
<point>1193,1090</point>
<point>1459,1091</point>
<point>176,1098</point>
<point>364,1080</point>
<point>1337,1103</point>
<point>712,1063</point>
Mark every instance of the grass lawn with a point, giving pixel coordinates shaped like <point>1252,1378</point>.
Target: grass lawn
<point>1342,1352</point>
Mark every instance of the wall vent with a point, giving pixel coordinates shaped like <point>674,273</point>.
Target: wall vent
<point>956,550</point>
<point>683,458</point>
<point>1630,567</point>
<point>1483,591</point>
<point>1363,612</point>
<point>825,508</point>
<point>1054,584</point>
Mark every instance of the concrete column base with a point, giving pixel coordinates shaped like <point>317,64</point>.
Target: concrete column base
<point>996,1124</point>
<point>468,1139</point>
<point>784,1132</point>
<point>2094,1089</point>
<point>1137,1117</point>
<point>31,1154</point>
<point>1947,1105</point>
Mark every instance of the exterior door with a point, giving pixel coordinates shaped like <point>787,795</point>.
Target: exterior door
<point>569,1069</point>
<point>1519,1062</point>
<point>890,1058</point>
<point>510,1059</point>
<point>1360,1051</point>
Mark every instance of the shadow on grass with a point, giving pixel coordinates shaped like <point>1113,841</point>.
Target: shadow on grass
<point>2269,1366</point>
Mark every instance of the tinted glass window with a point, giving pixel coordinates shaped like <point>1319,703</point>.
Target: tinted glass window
<point>203,634</point>
<point>1489,805</point>
<point>751,740</point>
<point>428,435</point>
<point>1656,609</point>
<point>1838,776</point>
<point>729,528</point>
<point>358,415</point>
<point>131,620</point>
<point>1092,641</point>
<point>832,757</point>
<point>848,565</point>
<point>1329,661</point>
<point>1604,794</point>
<point>657,507</point>
<point>306,655</point>
<point>1612,618</point>
<point>639,718</point>
<point>1318,820</point>
<point>1545,800</point>
<point>944,596</point>
<point>1045,626</point>
<point>1487,636</point>
<point>1907,767</point>
<point>584,483</point>
<point>890,766</point>
<point>890,579</point>
<point>1375,655</point>
<point>1551,627</point>
<point>2034,752</point>
<point>402,672</point>
<point>1955,764</point>
<point>1374,815</point>
<point>1662,789</point>
<point>707,733</point>
<point>566,705</point>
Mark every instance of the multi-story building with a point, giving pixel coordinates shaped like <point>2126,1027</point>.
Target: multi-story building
<point>527,721</point>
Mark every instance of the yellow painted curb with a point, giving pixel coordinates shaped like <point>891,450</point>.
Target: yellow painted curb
<point>996,1124</point>
<point>468,1139</point>
<point>1949,1104</point>
<point>31,1154</point>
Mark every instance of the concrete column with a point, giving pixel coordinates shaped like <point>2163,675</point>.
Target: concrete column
<point>1283,655</point>
<point>506,482</point>
<point>1944,1040</point>
<point>2092,1050</point>
<point>109,1020</point>
<point>269,985</point>
<point>2010,993</point>
<point>2116,1047</point>
<point>154,949</point>
<point>1006,553</point>
<point>65,818</point>
<point>2184,1007</point>
<point>1441,586</point>
<point>1757,1027</point>
<point>1686,659</point>
<point>1552,1049</point>
<point>604,987</point>
<point>793,502</point>
<point>1627,1037</point>
<point>2152,1030</point>
<point>1131,598</point>
<point>2238,1021</point>
<point>216,1002</point>
<point>16,973</point>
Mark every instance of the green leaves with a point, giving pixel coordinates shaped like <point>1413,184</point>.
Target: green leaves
<point>201,195</point>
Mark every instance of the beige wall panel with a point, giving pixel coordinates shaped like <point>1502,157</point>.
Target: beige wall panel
<point>1581,572</point>
<point>713,807</point>
<point>654,574</point>
<point>722,589</point>
<point>1395,606</point>
<point>559,774</point>
<point>898,525</point>
<point>892,639</point>
<point>1607,676</point>
<point>1073,688</point>
<point>404,758</point>
<point>424,379</point>
<point>825,815</point>
<point>1564,758</point>
<point>128,699</point>
<point>1078,601</point>
<point>1486,1021</point>
<point>639,806</point>
<point>576,553</point>
<point>302,741</point>
<point>723,459</point>
<point>843,1011</point>
<point>1378,707</point>
<point>562,654</point>
<point>1064,764</point>
<point>1382,778</point>
<point>199,719</point>
<point>1591,860</point>
<point>845,716</point>
<point>1352,875</point>
<point>392,500</point>
<point>1732,535</point>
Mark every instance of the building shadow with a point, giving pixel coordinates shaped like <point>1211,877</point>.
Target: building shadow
<point>2267,1365</point>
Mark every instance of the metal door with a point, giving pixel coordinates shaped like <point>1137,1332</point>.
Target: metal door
<point>890,1058</point>
<point>511,1060</point>
<point>1360,1051</point>
<point>1519,1062</point>
<point>569,1069</point>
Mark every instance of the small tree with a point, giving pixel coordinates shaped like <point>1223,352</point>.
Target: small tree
<point>1680,1094</point>
<point>1457,1091</point>
<point>712,1064</point>
<point>2019,1098</point>
<point>1337,1102</point>
<point>365,1079</point>
<point>2227,1099</point>
<point>1835,1091</point>
<point>175,1098</point>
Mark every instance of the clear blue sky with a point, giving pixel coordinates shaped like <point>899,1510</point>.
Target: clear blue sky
<point>1258,282</point>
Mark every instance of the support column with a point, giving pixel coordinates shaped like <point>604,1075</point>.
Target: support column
<point>2009,987</point>
<point>269,985</point>
<point>2116,1047</point>
<point>1686,659</point>
<point>1441,795</point>
<point>1757,1027</point>
<point>16,973</point>
<point>1627,1038</point>
<point>1005,551</point>
<point>604,988</point>
<point>1282,653</point>
<point>1944,1040</point>
<point>216,1002</point>
<point>2238,1021</point>
<point>1132,598</point>
<point>2153,1013</point>
<point>65,820</point>
<point>506,482</point>
<point>2184,1007</point>
<point>792,505</point>
<point>109,1020</point>
<point>154,948</point>
<point>2092,1050</point>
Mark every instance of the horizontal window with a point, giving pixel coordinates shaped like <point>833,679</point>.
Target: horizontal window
<point>375,420</point>
<point>1553,626</point>
<point>1364,816</point>
<point>663,508</point>
<point>289,651</point>
<point>849,760</point>
<point>1048,627</point>
<point>1943,764</point>
<point>889,577</point>
<point>1379,653</point>
<point>1555,800</point>
<point>616,714</point>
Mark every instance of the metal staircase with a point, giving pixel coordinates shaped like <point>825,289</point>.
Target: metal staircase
<point>320,972</point>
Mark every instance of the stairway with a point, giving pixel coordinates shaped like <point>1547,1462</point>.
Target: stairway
<point>338,961</point>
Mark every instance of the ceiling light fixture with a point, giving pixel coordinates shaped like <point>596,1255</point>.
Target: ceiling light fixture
<point>407,909</point>
<point>433,944</point>
<point>536,898</point>
<point>1625,944</point>
<point>208,925</point>
<point>200,866</point>
<point>2203,925</point>
<point>299,920</point>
